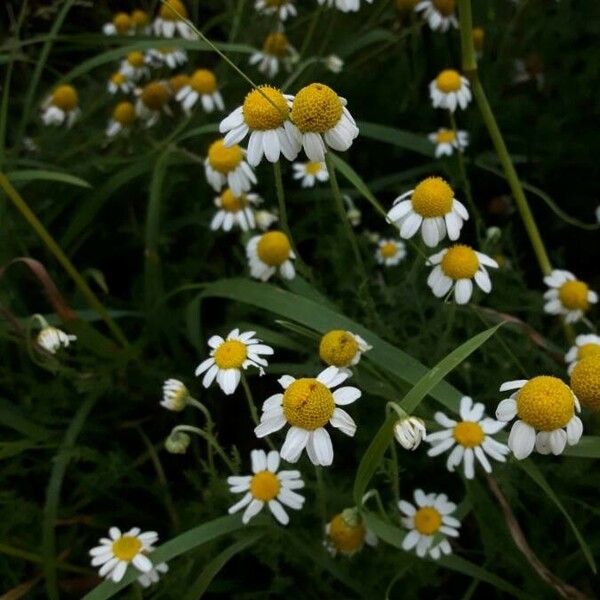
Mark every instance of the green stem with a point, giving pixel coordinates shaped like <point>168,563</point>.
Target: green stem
<point>202,409</point>
<point>321,497</point>
<point>281,200</point>
<point>252,407</point>
<point>210,439</point>
<point>311,31</point>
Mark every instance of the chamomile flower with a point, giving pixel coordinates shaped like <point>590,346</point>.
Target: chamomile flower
<point>347,534</point>
<point>344,5</point>
<point>140,21</point>
<point>431,207</point>
<point>270,253</point>
<point>283,8</point>
<point>234,210</point>
<point>171,57</point>
<point>307,405</point>
<point>390,252</point>
<point>430,516</point>
<point>117,552</point>
<point>310,172</point>
<point>61,107</point>
<point>585,381</point>
<point>545,408</point>
<point>267,486</point>
<point>226,165</point>
<point>456,268</point>
<point>152,100</point>
<point>276,49</point>
<point>119,82</point>
<point>567,296</point>
<point>229,356</point>
<point>134,66</point>
<point>178,82</point>
<point>468,439</point>
<point>448,140</point>
<point>449,90</point>
<point>123,117</point>
<point>320,119</point>
<point>121,24</point>
<point>439,14</point>
<point>585,345</point>
<point>333,63</point>
<point>175,395</point>
<point>153,575</point>
<point>171,20</point>
<point>264,219</point>
<point>339,348</point>
<point>203,85</point>
<point>265,115</point>
<point>410,432</point>
<point>53,339</point>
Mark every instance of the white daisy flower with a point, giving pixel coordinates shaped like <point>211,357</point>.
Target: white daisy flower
<point>431,207</point>
<point>439,14</point>
<point>448,140</point>
<point>546,409</point>
<point>410,432</point>
<point>265,115</point>
<point>468,439</point>
<point>344,5</point>
<point>449,90</point>
<point>269,253</point>
<point>339,348</point>
<point>229,356</point>
<point>52,339</point>
<point>175,395</point>
<point>235,210</point>
<point>152,100</point>
<point>203,85</point>
<point>456,268</point>
<point>307,405</point>
<point>121,24</point>
<point>122,119</point>
<point>333,63</point>
<point>390,252</point>
<point>567,296</point>
<point>276,49</point>
<point>226,166</point>
<point>115,553</point>
<point>134,66</point>
<point>264,219</point>
<point>267,486</point>
<point>171,57</point>
<point>171,21</point>
<point>140,21</point>
<point>61,107</point>
<point>320,119</point>
<point>585,345</point>
<point>431,517</point>
<point>152,576</point>
<point>311,172</point>
<point>119,82</point>
<point>178,82</point>
<point>346,533</point>
<point>283,8</point>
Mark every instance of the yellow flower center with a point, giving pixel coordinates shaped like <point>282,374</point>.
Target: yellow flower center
<point>135,59</point>
<point>317,108</point>
<point>574,295</point>
<point>122,22</point>
<point>446,136</point>
<point>262,114</point>
<point>126,547</point>
<point>124,113</point>
<point>312,168</point>
<point>65,97</point>
<point>265,486</point>
<point>427,520</point>
<point>204,81</point>
<point>168,11</point>
<point>448,81</point>
<point>139,18</point>
<point>460,262</point>
<point>308,404</point>
<point>445,7</point>
<point>338,348</point>
<point>433,197</point>
<point>155,95</point>
<point>274,248</point>
<point>276,44</point>
<point>179,81</point>
<point>388,250</point>
<point>588,350</point>
<point>222,159</point>
<point>478,37</point>
<point>468,434</point>
<point>118,78</point>
<point>231,354</point>
<point>546,403</point>
<point>232,203</point>
<point>585,381</point>
<point>346,537</point>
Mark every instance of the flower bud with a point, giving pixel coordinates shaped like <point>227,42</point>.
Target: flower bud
<point>175,395</point>
<point>409,432</point>
<point>334,63</point>
<point>177,442</point>
<point>354,216</point>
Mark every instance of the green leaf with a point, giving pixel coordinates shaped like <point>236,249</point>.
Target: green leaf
<point>27,175</point>
<point>587,447</point>
<point>397,137</point>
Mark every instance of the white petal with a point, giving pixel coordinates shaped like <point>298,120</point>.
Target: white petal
<point>521,439</point>
<point>295,441</point>
<point>346,395</point>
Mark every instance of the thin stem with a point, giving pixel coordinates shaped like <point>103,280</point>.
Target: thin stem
<point>209,438</point>
<point>252,408</point>
<point>209,428</point>
<point>281,200</point>
<point>202,409</point>
<point>321,497</point>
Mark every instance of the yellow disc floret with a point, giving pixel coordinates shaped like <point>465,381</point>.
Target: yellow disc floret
<point>65,97</point>
<point>427,520</point>
<point>478,38</point>
<point>126,547</point>
<point>574,295</point>
<point>317,108</point>
<point>388,250</point>
<point>274,248</point>
<point>276,44</point>
<point>171,9</point>
<point>231,354</point>
<point>346,535</point>
<point>585,381</point>
<point>155,95</point>
<point>265,486</point>
<point>204,81</point>
<point>178,82</point>
<point>433,197</point>
<point>468,434</point>
<point>338,348</point>
<point>262,113</point>
<point>308,404</point>
<point>445,136</point>
<point>124,113</point>
<point>232,203</point>
<point>223,159</point>
<point>122,22</point>
<point>136,59</point>
<point>546,403</point>
<point>445,7</point>
<point>588,350</point>
<point>312,168</point>
<point>448,80</point>
<point>460,262</point>
<point>139,18</point>
<point>118,78</point>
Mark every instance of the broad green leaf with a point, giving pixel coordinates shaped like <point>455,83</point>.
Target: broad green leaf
<point>397,137</point>
<point>33,174</point>
<point>12,417</point>
<point>587,447</point>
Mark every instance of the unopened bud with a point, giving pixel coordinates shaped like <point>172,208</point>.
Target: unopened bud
<point>177,442</point>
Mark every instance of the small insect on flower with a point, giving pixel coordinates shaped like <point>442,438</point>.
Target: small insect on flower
<point>123,117</point>
<point>119,82</point>
<point>171,57</point>
<point>333,63</point>
<point>585,345</point>
<point>447,141</point>
<point>270,253</point>
<point>410,432</point>
<point>439,14</point>
<point>62,106</point>
<point>175,395</point>
<point>311,172</point>
<point>585,381</point>
<point>276,49</point>
<point>468,439</point>
<point>267,486</point>
<point>53,339</point>
<point>203,85</point>
<point>390,252</point>
<point>230,356</point>
<point>456,268</point>
<point>235,210</point>
<point>344,5</point>
<point>171,20</point>
<point>339,348</point>
<point>449,90</point>
<point>432,516</point>
<point>226,166</point>
<point>134,66</point>
<point>307,405</point>
<point>545,407</point>
<point>320,119</point>
<point>121,24</point>
<point>346,533</point>
<point>283,8</point>
<point>431,207</point>
<point>265,115</point>
<point>567,296</point>
<point>152,100</point>
<point>115,553</point>
<point>152,576</point>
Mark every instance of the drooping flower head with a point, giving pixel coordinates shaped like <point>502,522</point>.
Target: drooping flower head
<point>449,90</point>
<point>175,395</point>
<point>283,8</point>
<point>270,253</point>
<point>276,50</point>
<point>234,210</point>
<point>339,348</point>
<point>567,296</point>
<point>134,66</point>
<point>448,140</point>
<point>171,20</point>
<point>410,432</point>
<point>152,100</point>
<point>347,534</point>
<point>226,165</point>
<point>123,117</point>
<point>53,339</point>
<point>62,106</point>
<point>439,14</point>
